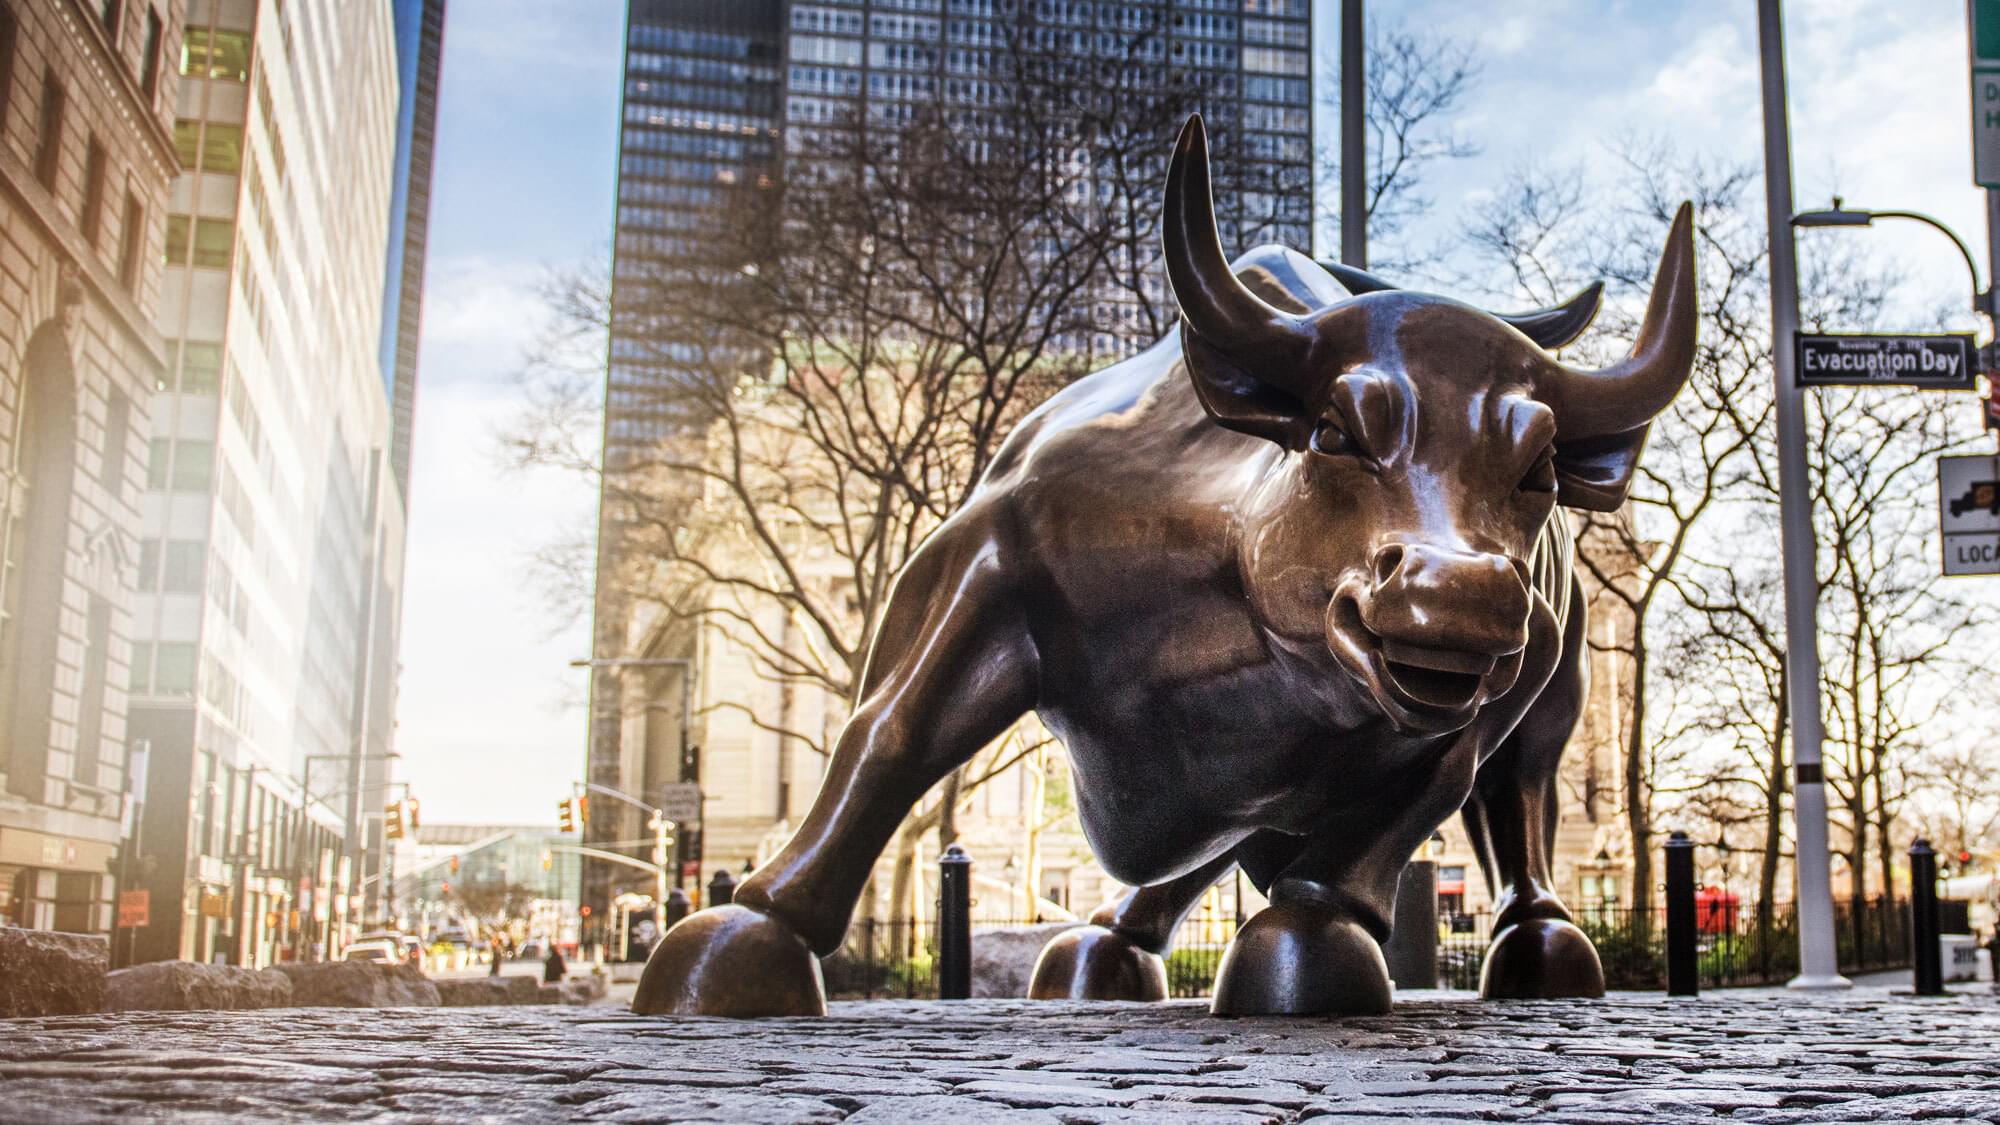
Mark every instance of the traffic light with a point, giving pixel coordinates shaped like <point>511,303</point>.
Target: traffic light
<point>566,816</point>
<point>447,886</point>
<point>454,865</point>
<point>411,803</point>
<point>583,809</point>
<point>548,859</point>
<point>392,820</point>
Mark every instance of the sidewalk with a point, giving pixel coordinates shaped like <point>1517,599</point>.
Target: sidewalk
<point>1762,1056</point>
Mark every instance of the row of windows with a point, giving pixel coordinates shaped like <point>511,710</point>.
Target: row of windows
<point>654,191</point>
<point>166,668</point>
<point>713,146</point>
<point>721,102</point>
<point>698,69</point>
<point>211,241</point>
<point>1274,60</point>
<point>199,364</point>
<point>903,27</point>
<point>50,135</point>
<point>685,41</point>
<point>663,218</point>
<point>820,49</point>
<point>901,56</point>
<point>1276,33</point>
<point>215,52</point>
<point>216,148</point>
<point>186,465</point>
<point>826,80</point>
<point>672,168</point>
<point>831,21</point>
<point>1276,118</point>
<point>1290,91</point>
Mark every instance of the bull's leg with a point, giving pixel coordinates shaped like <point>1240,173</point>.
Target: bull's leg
<point>951,666</point>
<point>1537,951</point>
<point>1318,947</point>
<point>1119,955</point>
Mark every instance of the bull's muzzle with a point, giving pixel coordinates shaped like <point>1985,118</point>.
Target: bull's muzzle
<point>1433,632</point>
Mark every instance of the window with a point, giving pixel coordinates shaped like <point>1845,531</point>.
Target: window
<point>8,30</point>
<point>213,239</point>
<point>187,141</point>
<point>201,368</point>
<point>149,564</point>
<point>92,219</point>
<point>117,427</point>
<point>142,668</point>
<point>173,669</point>
<point>222,148</point>
<point>194,466</point>
<point>131,240</point>
<point>48,143</point>
<point>181,569</point>
<point>149,64</point>
<point>113,14</point>
<point>158,454</point>
<point>216,53</point>
<point>177,241</point>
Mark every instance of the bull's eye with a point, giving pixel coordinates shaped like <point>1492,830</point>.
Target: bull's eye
<point>1332,440</point>
<point>1542,476</point>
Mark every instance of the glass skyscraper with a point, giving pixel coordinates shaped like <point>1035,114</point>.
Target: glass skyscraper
<point>725,93</point>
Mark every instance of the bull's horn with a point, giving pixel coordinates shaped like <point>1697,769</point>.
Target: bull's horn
<point>1627,395</point>
<point>1221,309</point>
<point>1552,328</point>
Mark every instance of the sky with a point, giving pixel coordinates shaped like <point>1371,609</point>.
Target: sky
<point>491,724</point>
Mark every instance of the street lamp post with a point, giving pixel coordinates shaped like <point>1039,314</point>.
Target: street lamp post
<point>1819,965</point>
<point>1838,216</point>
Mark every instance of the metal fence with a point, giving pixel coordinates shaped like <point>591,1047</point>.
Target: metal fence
<point>884,959</point>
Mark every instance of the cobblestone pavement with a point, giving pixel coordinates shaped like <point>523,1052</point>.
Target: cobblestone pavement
<point>1759,1057</point>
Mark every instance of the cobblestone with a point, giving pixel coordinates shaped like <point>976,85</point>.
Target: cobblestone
<point>1763,1057</point>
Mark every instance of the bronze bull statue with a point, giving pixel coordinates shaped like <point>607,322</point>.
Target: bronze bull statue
<point>1293,587</point>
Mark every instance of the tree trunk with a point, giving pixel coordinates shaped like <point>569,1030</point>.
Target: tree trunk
<point>1884,826</point>
<point>948,809</point>
<point>1775,785</point>
<point>1638,800</point>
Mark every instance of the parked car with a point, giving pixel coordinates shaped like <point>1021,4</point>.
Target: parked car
<point>376,946</point>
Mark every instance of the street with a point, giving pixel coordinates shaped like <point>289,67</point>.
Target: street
<point>1749,1055</point>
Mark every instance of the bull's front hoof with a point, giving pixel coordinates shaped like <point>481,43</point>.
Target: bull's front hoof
<point>1301,959</point>
<point>1095,963</point>
<point>731,961</point>
<point>1541,959</point>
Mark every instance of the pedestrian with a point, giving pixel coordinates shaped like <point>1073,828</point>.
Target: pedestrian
<point>553,967</point>
<point>498,950</point>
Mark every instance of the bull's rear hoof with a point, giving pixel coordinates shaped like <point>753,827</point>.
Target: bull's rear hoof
<point>1541,959</point>
<point>1095,963</point>
<point>731,961</point>
<point>1301,959</point>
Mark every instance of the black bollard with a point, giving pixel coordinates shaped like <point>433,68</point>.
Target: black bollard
<point>1683,969</point>
<point>1925,954</point>
<point>722,888</point>
<point>677,908</point>
<point>954,924</point>
<point>1412,948</point>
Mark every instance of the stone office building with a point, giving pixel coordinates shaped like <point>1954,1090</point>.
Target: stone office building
<point>86,154</point>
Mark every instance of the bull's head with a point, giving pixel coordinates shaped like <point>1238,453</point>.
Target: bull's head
<point>1425,445</point>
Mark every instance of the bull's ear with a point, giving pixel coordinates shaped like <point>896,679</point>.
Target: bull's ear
<point>1595,473</point>
<point>1239,400</point>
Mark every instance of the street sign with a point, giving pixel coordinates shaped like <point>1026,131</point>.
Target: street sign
<point>1984,36</point>
<point>1935,362</point>
<point>680,802</point>
<point>1969,513</point>
<point>134,909</point>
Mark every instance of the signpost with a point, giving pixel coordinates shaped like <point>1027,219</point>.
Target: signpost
<point>1934,362</point>
<point>1969,513</point>
<point>134,909</point>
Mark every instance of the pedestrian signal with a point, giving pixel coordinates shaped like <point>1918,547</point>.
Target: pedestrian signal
<point>454,865</point>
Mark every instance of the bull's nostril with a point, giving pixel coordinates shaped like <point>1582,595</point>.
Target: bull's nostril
<point>1386,561</point>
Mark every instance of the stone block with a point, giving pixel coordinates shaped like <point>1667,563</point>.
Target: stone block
<point>1003,960</point>
<point>185,986</point>
<point>44,973</point>
<point>360,984</point>
<point>483,991</point>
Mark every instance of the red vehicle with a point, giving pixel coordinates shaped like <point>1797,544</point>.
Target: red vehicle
<point>1715,911</point>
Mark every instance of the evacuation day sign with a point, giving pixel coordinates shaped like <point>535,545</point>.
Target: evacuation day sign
<point>1933,362</point>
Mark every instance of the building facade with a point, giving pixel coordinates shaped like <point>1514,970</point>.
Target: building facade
<point>87,92</point>
<point>270,566</point>
<point>720,94</point>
